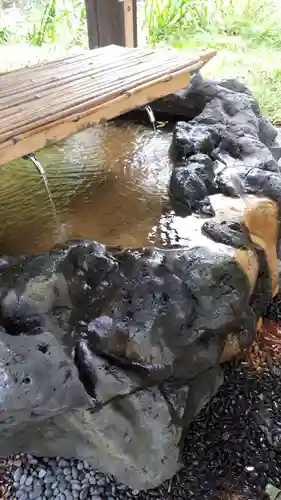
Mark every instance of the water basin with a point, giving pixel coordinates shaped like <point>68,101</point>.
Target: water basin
<point>108,183</point>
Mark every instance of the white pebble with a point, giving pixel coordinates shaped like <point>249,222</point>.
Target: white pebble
<point>42,473</point>
<point>250,468</point>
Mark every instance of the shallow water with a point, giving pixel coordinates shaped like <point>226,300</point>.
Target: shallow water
<point>108,183</point>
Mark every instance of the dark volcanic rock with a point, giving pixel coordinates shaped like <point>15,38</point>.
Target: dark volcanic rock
<point>107,354</point>
<point>143,331</point>
<point>231,131</point>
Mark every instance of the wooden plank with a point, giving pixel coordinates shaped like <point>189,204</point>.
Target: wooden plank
<point>71,126</point>
<point>50,102</point>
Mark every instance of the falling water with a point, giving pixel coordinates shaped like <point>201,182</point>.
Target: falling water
<point>43,174</point>
<point>151,117</point>
<point>239,188</point>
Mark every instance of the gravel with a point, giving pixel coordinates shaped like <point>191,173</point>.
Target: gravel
<point>234,446</point>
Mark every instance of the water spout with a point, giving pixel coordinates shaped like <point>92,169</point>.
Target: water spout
<point>151,117</point>
<point>41,171</point>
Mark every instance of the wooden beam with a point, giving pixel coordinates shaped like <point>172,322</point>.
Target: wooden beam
<point>69,126</point>
<point>111,22</point>
<point>46,103</point>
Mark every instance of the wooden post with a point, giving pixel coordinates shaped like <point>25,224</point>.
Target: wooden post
<point>130,22</point>
<point>112,22</point>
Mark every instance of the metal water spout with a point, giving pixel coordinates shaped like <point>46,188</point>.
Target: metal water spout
<point>151,116</point>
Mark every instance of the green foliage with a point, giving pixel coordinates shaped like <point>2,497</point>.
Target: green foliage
<point>4,35</point>
<point>247,34</point>
<point>46,30</point>
<point>256,21</point>
<point>61,22</point>
<point>169,18</point>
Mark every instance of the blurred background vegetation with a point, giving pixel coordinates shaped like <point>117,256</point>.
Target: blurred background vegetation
<point>247,34</point>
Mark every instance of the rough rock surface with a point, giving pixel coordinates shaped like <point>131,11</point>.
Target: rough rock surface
<point>227,147</point>
<point>107,354</point>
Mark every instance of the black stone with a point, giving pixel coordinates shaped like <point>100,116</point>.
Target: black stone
<point>94,339</point>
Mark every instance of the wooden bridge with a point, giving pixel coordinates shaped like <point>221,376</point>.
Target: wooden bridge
<point>46,103</point>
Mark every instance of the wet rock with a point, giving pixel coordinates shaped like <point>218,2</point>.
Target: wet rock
<point>147,316</point>
<point>133,340</point>
<point>187,103</point>
<point>191,183</point>
<point>230,130</point>
<point>188,188</point>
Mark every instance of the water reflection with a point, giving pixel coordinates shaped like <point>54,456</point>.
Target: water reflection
<point>108,183</point>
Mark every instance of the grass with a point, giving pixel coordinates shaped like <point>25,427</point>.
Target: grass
<point>253,21</point>
<point>247,34</point>
<point>46,22</point>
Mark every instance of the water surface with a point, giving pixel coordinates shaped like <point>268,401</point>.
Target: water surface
<point>108,183</point>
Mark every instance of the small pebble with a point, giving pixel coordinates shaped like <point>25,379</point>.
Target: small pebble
<point>75,486</point>
<point>16,463</point>
<point>23,479</point>
<point>29,481</point>
<point>23,496</point>
<point>17,474</point>
<point>101,482</point>
<point>42,473</point>
<point>49,479</point>
<point>33,461</point>
<point>95,491</point>
<point>34,495</point>
<point>62,463</point>
<point>48,492</point>
<point>68,495</point>
<point>62,486</point>
<point>84,493</point>
<point>250,468</point>
<point>74,472</point>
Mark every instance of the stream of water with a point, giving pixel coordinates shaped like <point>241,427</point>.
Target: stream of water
<point>44,176</point>
<point>151,117</point>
